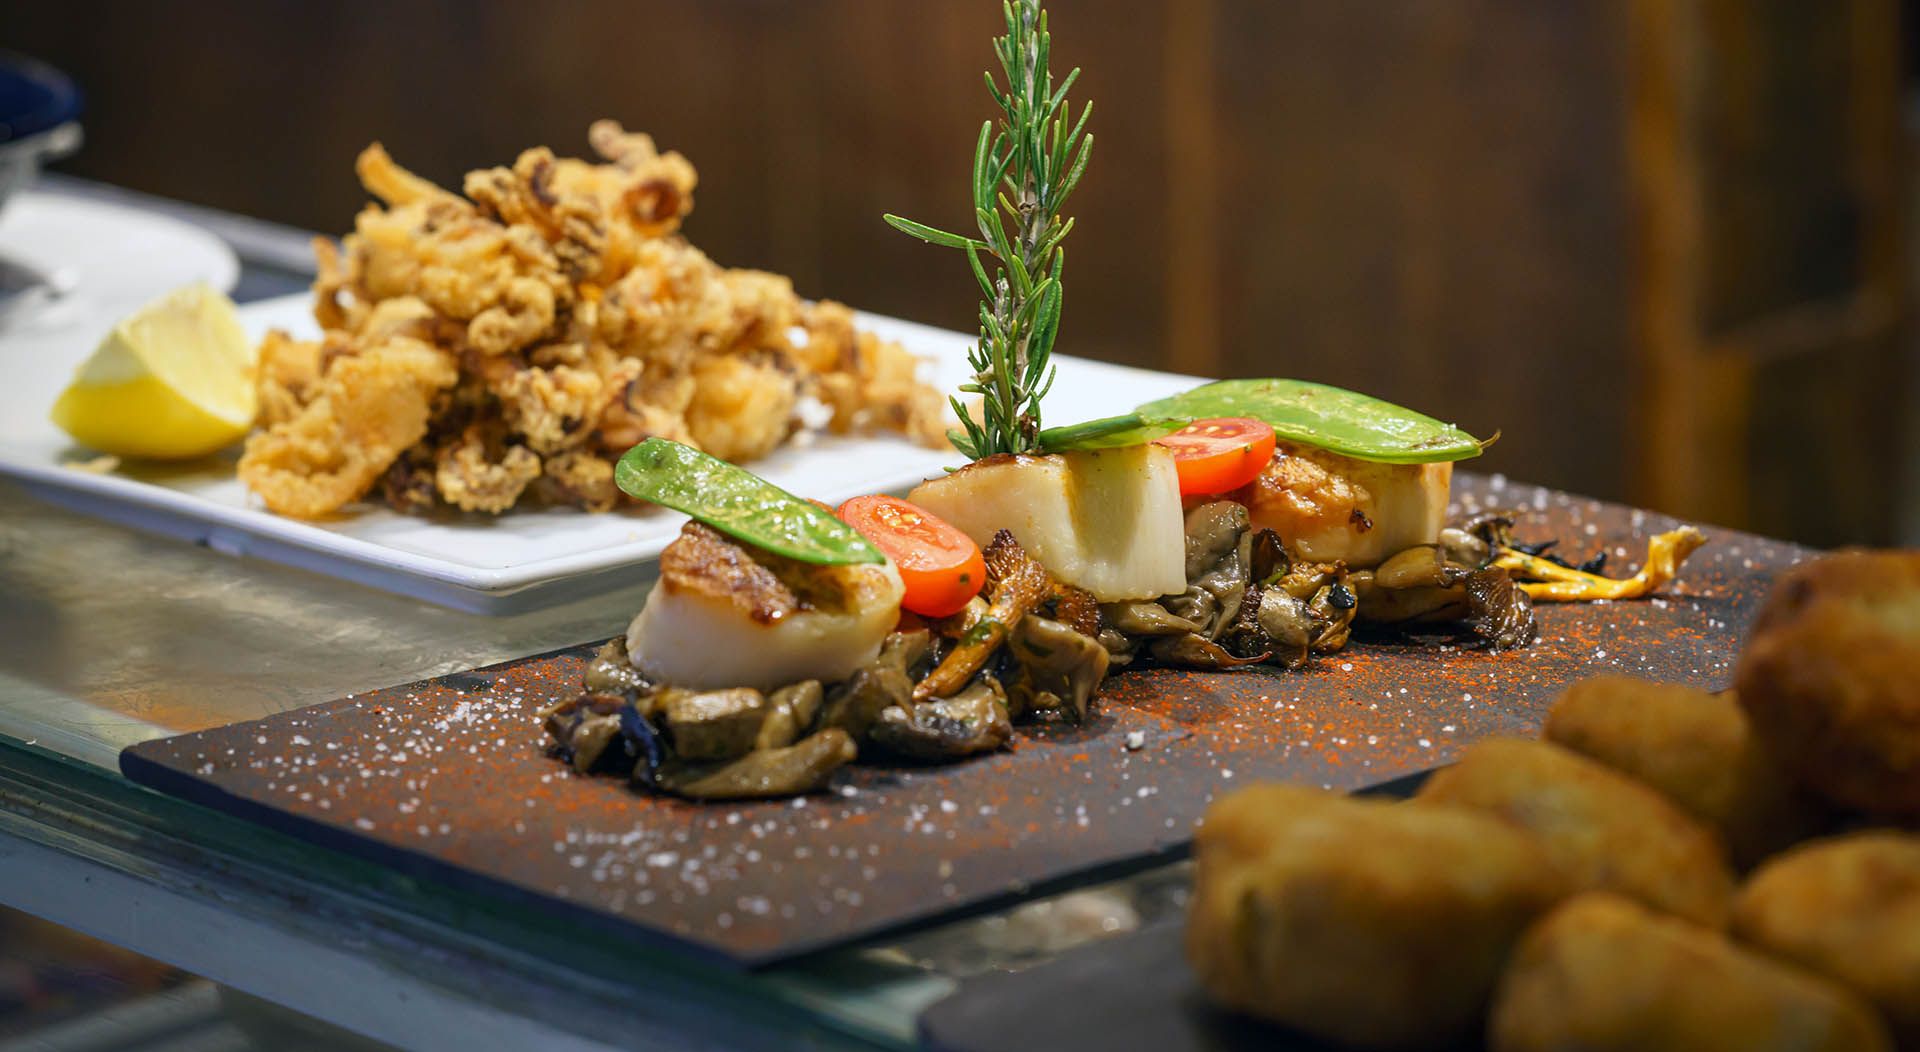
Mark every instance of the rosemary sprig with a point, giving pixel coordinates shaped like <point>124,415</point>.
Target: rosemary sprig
<point>1023,172</point>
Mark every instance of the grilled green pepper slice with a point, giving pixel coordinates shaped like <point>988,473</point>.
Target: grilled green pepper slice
<point>1332,418</point>
<point>739,503</point>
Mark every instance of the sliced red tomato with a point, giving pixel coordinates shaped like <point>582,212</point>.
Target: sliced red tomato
<point>1220,454</point>
<point>940,566</point>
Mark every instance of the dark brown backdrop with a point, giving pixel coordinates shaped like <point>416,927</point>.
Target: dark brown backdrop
<point>1539,218</point>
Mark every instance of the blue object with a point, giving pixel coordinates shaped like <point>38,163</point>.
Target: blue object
<point>34,97</point>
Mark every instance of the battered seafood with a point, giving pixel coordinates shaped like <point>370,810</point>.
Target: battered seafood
<point>1604,830</point>
<point>1602,974</point>
<point>1848,908</point>
<point>358,416</point>
<point>1830,679</point>
<point>567,320</point>
<point>1334,915</point>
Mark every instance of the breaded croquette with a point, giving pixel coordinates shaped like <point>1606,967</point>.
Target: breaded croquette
<point>1831,679</point>
<point>1849,908</point>
<point>1603,974</point>
<point>1379,925</point>
<point>1607,831</point>
<point>1697,749</point>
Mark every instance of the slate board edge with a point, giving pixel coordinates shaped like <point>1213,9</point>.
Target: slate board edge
<point>420,865</point>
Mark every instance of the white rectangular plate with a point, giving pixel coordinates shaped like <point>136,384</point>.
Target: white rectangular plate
<point>481,563</point>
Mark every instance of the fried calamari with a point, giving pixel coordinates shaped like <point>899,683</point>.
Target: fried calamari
<point>372,404</point>
<point>566,320</point>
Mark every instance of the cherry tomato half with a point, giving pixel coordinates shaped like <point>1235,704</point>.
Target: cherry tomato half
<point>1219,454</point>
<point>940,566</point>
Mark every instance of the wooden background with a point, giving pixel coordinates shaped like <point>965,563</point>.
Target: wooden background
<point>1660,244</point>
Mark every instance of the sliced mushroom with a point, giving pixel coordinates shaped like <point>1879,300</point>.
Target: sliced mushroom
<point>1197,606</point>
<point>1145,619</point>
<point>714,724</point>
<point>1119,646</point>
<point>790,713</point>
<point>1289,623</point>
<point>1500,610</point>
<point>855,704</point>
<point>803,767</point>
<point>1015,585</point>
<point>1055,668</point>
<point>1077,609</point>
<point>1425,566</point>
<point>1194,651</point>
<point>1213,532</point>
<point>1333,605</point>
<point>972,721</point>
<point>1409,605</point>
<point>1465,549</point>
<point>584,727</point>
<point>610,672</point>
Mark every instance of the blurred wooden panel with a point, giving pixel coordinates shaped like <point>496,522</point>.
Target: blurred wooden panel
<point>1426,201</point>
<point>1578,223</point>
<point>1771,237</point>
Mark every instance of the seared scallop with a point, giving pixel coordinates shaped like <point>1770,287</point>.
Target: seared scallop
<point>1331,508</point>
<point>728,615</point>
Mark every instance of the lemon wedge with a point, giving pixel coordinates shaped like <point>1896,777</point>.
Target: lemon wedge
<point>173,380</point>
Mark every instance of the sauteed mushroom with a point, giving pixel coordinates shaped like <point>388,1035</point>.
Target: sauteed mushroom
<point>1054,668</point>
<point>972,721</point>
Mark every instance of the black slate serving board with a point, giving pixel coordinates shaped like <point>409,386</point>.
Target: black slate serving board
<point>1133,993</point>
<point>448,779</point>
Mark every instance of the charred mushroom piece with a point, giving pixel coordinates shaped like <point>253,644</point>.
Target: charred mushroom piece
<point>1077,609</point>
<point>1289,623</point>
<point>611,673</point>
<point>1401,606</point>
<point>1145,619</point>
<point>1056,669</point>
<point>972,721</point>
<point>803,767</point>
<point>1267,556</point>
<point>1333,606</point>
<point>1119,646</point>
<point>715,724</point>
<point>790,711</point>
<point>1213,533</point>
<point>1500,610</point>
<point>1425,566</point>
<point>1192,651</point>
<point>859,701</point>
<point>1465,549</point>
<point>640,738</point>
<point>1243,636</point>
<point>1015,585</point>
<point>584,727</point>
